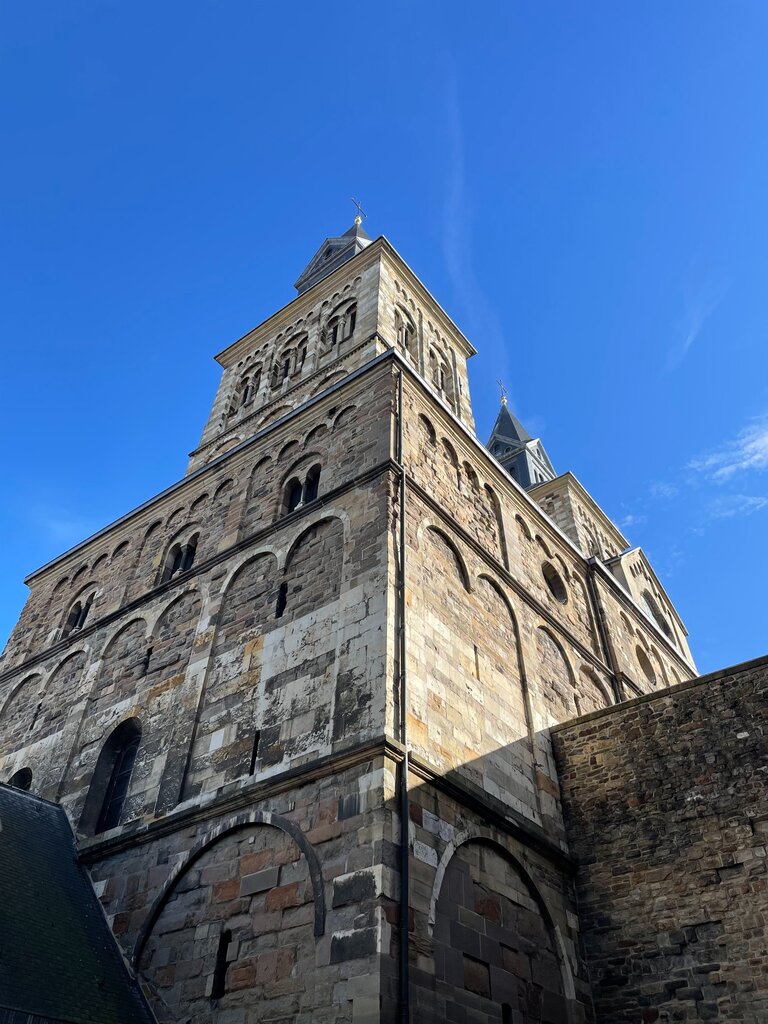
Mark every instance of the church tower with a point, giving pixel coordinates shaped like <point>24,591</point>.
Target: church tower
<point>297,706</point>
<point>523,456</point>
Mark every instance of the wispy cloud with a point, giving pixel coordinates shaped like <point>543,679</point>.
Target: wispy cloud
<point>662,489</point>
<point>732,505</point>
<point>747,453</point>
<point>629,520</point>
<point>699,306</point>
<point>482,319</point>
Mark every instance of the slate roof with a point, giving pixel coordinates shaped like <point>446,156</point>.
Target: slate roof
<point>59,961</point>
<point>509,428</point>
<point>332,254</point>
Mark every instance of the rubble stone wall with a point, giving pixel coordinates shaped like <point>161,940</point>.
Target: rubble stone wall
<point>666,810</point>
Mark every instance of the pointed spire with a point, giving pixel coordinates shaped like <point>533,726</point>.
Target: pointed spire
<point>508,427</point>
<point>524,457</point>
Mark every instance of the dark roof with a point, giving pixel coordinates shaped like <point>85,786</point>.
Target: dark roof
<point>509,428</point>
<point>58,958</point>
<point>331,255</point>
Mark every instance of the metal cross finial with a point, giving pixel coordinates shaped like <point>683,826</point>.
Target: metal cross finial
<point>360,212</point>
<point>503,391</point>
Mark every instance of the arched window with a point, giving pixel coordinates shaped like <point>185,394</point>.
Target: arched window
<point>188,552</point>
<point>78,613</point>
<point>645,664</point>
<point>298,493</point>
<point>312,484</point>
<point>656,614</point>
<point>293,492</point>
<point>179,559</point>
<point>111,778</point>
<point>22,779</point>
<point>350,317</point>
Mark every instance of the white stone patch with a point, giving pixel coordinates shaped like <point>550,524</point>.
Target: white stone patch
<point>425,853</point>
<point>217,740</point>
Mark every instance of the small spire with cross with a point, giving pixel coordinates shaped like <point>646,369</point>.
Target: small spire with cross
<point>360,212</point>
<point>503,391</point>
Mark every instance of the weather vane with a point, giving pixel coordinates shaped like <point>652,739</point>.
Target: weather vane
<point>503,391</point>
<point>360,212</point>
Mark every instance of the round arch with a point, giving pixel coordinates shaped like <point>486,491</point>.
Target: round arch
<point>558,644</point>
<point>212,836</point>
<point>428,525</point>
<point>489,837</point>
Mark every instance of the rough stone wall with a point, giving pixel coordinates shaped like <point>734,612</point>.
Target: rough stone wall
<point>490,513</point>
<point>411,320</point>
<point>297,875</point>
<point>203,661</point>
<point>384,295</point>
<point>348,430</point>
<point>494,934</point>
<point>667,813</point>
<point>302,323</point>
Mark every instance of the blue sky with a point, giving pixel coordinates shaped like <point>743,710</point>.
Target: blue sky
<point>581,185</point>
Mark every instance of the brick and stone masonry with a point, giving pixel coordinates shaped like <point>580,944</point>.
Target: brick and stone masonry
<point>223,687</point>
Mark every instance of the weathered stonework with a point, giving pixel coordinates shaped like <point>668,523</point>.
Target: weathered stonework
<point>667,814</point>
<point>346,613</point>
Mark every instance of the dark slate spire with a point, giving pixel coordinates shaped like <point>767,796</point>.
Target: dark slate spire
<point>524,457</point>
<point>509,427</point>
<point>332,253</point>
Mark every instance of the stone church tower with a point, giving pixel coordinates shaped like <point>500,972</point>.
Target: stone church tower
<point>297,706</point>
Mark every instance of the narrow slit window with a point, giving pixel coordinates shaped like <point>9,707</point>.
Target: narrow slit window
<point>255,751</point>
<point>282,600</point>
<point>146,661</point>
<point>219,984</point>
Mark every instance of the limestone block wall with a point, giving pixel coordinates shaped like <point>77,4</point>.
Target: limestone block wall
<point>587,527</point>
<point>411,321</point>
<point>666,811</point>
<point>272,650</point>
<point>297,338</point>
<point>474,499</point>
<point>645,662</point>
<point>298,352</point>
<point>272,905</point>
<point>345,432</point>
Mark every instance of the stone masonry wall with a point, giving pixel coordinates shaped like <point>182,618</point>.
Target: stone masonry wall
<point>288,889</point>
<point>270,651</point>
<point>666,809</point>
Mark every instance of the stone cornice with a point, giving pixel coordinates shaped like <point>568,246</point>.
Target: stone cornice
<point>247,792</point>
<point>212,466</point>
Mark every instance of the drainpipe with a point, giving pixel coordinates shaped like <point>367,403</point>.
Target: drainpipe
<point>405,1013</point>
<point>605,642</point>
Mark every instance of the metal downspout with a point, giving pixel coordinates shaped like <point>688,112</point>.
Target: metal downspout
<point>405,1012</point>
